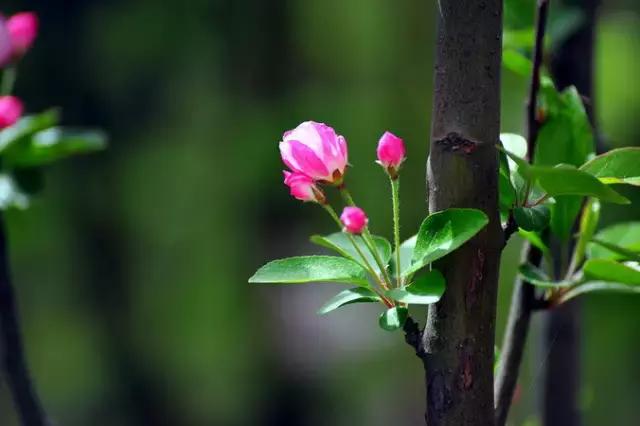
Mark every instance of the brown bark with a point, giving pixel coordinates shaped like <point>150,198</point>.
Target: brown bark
<point>458,340</point>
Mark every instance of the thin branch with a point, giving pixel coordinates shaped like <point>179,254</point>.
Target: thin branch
<point>14,363</point>
<point>524,300</point>
<point>413,337</point>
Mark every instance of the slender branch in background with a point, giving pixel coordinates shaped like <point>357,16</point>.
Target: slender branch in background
<point>523,301</point>
<point>572,63</point>
<point>14,362</point>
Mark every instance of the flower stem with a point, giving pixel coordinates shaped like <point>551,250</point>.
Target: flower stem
<point>395,196</point>
<point>366,236</point>
<point>372,271</point>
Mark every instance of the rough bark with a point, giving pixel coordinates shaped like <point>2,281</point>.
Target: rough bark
<point>572,64</point>
<point>14,361</point>
<point>463,172</point>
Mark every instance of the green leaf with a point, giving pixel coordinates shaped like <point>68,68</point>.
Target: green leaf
<point>11,196</point>
<point>348,297</point>
<point>513,39</point>
<point>341,243</point>
<point>617,166</point>
<point>53,144</point>
<point>599,286</point>
<point>425,290</point>
<point>519,13</point>
<point>305,269</point>
<point>566,135</point>
<point>534,218</point>
<point>26,127</point>
<point>625,235</point>
<point>515,144</point>
<point>516,62</point>
<point>539,278</point>
<point>567,180</point>
<point>563,215</point>
<point>611,271</point>
<point>588,225</point>
<point>536,241</point>
<point>443,232</point>
<point>406,255</point>
<point>393,318</point>
<point>621,252</point>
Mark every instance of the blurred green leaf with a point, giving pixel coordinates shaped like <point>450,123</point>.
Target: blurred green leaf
<point>612,271</point>
<point>599,286</point>
<point>563,215</point>
<point>393,318</point>
<point>616,166</point>
<point>341,243</point>
<point>26,127</point>
<point>567,180</point>
<point>519,13</point>
<point>426,289</point>
<point>534,218</point>
<point>53,144</point>
<point>516,39</point>
<point>516,62</point>
<point>11,196</point>
<point>625,235</point>
<point>348,297</point>
<point>622,252</point>
<point>588,224</point>
<point>443,232</point>
<point>539,278</point>
<point>305,269</point>
<point>535,240</point>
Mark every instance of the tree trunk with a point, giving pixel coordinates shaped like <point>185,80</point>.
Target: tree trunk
<point>463,172</point>
<point>572,64</point>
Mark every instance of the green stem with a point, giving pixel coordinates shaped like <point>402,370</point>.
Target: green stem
<point>8,80</point>
<point>395,196</point>
<point>366,236</point>
<point>372,271</point>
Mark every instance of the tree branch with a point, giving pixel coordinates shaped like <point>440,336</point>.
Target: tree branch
<point>13,357</point>
<point>524,298</point>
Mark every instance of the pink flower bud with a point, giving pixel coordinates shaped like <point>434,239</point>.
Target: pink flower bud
<point>5,43</point>
<point>314,149</point>
<point>391,152</point>
<point>303,188</point>
<point>354,220</point>
<point>23,28</point>
<point>10,110</point>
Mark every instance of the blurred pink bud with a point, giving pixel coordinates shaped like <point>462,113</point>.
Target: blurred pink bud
<point>391,152</point>
<point>5,43</point>
<point>10,110</point>
<point>314,149</point>
<point>354,219</point>
<point>23,28</point>
<point>303,188</point>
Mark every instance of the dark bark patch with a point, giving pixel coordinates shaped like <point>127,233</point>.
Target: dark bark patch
<point>439,398</point>
<point>465,381</point>
<point>454,142</point>
<point>475,282</point>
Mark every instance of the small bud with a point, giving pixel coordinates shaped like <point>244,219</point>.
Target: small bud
<point>303,188</point>
<point>10,111</point>
<point>23,29</point>
<point>354,220</point>
<point>391,153</point>
<point>5,43</point>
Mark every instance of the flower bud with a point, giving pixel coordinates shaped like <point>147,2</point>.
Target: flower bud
<point>314,149</point>
<point>303,188</point>
<point>10,110</point>
<point>23,28</point>
<point>354,220</point>
<point>5,43</point>
<point>391,153</point>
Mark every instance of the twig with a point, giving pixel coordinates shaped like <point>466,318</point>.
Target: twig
<point>524,298</point>
<point>413,337</point>
<point>13,358</point>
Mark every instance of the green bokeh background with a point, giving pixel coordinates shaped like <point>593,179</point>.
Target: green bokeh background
<point>131,269</point>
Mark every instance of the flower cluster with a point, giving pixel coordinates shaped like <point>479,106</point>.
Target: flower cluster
<point>316,155</point>
<point>17,34</point>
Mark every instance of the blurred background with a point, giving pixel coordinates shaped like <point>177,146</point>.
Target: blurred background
<point>131,268</point>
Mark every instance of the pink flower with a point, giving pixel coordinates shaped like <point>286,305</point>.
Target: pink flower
<point>314,149</point>
<point>10,110</point>
<point>23,28</point>
<point>391,153</point>
<point>303,188</point>
<point>5,43</point>
<point>354,220</point>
